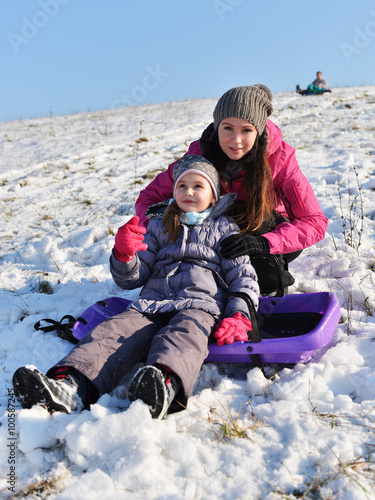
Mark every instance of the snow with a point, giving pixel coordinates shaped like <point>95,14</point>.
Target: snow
<point>66,184</point>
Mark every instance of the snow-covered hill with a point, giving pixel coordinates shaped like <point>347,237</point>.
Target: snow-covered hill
<point>66,184</point>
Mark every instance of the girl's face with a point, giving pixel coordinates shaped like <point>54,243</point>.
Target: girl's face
<point>236,137</point>
<point>193,193</point>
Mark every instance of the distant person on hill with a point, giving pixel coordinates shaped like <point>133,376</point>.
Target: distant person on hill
<point>276,208</point>
<point>318,86</point>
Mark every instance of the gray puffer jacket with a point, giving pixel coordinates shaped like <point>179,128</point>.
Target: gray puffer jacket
<point>189,273</point>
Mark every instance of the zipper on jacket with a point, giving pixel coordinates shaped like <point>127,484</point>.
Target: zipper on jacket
<point>285,199</point>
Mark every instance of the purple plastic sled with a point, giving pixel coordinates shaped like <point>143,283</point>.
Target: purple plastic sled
<point>291,328</point>
<point>97,313</point>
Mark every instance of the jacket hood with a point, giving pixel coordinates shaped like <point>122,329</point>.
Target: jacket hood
<point>222,205</point>
<point>275,137</point>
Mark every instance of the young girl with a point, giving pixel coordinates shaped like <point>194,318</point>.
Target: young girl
<point>276,208</point>
<point>185,285</point>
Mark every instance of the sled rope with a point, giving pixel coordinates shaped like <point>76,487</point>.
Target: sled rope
<point>64,330</point>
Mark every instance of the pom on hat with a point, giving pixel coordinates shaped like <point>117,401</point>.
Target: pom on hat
<point>197,164</point>
<point>251,103</point>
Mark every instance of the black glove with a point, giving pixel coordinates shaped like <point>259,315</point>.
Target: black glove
<point>243,244</point>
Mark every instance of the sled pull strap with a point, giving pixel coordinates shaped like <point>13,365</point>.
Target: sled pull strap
<point>256,333</point>
<point>64,330</point>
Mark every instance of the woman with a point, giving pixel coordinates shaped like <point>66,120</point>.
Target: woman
<point>276,207</point>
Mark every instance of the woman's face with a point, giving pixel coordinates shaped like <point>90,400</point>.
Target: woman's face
<point>193,193</point>
<point>236,137</point>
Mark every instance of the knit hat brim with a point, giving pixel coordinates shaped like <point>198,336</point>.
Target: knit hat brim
<point>250,103</point>
<point>196,171</point>
<point>199,165</point>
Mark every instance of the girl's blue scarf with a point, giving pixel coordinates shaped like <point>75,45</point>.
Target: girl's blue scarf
<point>193,218</point>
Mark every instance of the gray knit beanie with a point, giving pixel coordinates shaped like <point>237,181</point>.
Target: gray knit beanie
<point>251,103</point>
<point>197,164</point>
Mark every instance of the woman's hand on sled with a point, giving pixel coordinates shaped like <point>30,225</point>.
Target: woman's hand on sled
<point>129,240</point>
<point>236,245</point>
<point>232,329</point>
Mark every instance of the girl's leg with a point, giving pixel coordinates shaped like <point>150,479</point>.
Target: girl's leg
<point>182,347</point>
<point>111,349</point>
<point>93,367</point>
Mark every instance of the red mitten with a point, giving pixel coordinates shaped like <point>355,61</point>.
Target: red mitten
<point>232,329</point>
<point>128,240</point>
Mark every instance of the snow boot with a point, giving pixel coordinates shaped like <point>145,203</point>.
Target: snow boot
<point>63,393</point>
<point>156,387</point>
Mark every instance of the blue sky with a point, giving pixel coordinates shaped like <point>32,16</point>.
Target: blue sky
<point>68,56</point>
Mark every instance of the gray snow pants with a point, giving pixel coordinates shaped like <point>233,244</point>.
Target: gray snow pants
<point>178,341</point>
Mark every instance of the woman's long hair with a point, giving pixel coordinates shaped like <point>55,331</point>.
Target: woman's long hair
<point>257,182</point>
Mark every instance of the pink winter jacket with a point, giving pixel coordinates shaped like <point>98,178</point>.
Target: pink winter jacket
<point>297,200</point>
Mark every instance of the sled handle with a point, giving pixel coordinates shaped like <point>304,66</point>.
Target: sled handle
<point>276,264</point>
<point>256,333</point>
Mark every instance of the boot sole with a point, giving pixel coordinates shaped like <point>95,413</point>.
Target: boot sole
<point>148,385</point>
<point>32,387</point>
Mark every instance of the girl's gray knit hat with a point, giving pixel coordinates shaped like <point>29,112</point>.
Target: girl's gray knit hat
<point>197,164</point>
<point>250,103</point>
